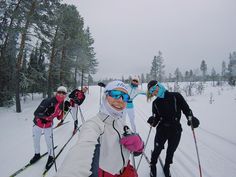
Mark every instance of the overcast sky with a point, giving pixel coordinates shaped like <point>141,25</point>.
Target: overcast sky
<point>128,33</point>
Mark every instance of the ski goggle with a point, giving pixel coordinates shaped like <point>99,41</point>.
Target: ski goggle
<point>116,94</point>
<point>152,89</point>
<point>134,80</point>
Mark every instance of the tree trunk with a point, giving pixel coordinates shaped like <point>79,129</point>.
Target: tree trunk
<point>82,78</point>
<point>52,62</point>
<point>63,62</point>
<point>10,27</point>
<point>19,59</point>
<point>76,72</point>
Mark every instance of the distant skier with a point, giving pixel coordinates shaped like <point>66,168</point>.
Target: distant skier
<point>77,97</point>
<point>133,91</point>
<point>104,144</point>
<point>45,113</point>
<point>166,109</point>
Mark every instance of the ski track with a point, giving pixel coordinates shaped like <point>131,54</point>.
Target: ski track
<point>217,153</point>
<point>218,136</point>
<point>215,159</point>
<point>184,166</point>
<point>192,161</point>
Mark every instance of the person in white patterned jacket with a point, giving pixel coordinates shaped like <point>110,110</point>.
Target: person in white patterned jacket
<point>103,147</point>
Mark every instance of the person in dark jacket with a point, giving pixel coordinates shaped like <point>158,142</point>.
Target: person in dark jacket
<point>43,120</point>
<point>77,97</point>
<point>166,109</point>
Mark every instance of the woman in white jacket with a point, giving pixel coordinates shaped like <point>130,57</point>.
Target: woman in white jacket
<point>103,149</point>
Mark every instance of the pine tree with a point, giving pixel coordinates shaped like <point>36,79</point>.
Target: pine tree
<point>203,68</point>
<point>157,68</point>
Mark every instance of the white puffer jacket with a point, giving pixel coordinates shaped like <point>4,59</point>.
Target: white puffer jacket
<point>113,157</point>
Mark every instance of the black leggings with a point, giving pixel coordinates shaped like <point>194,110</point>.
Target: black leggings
<point>170,134</point>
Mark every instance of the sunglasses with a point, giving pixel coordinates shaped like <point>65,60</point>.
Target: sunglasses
<point>135,81</point>
<point>116,94</point>
<point>60,92</point>
<point>152,89</point>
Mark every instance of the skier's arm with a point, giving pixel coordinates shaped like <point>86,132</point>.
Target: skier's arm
<point>80,97</point>
<point>184,106</point>
<point>83,156</point>
<point>72,94</point>
<point>42,108</point>
<point>155,118</point>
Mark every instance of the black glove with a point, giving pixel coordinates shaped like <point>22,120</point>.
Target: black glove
<point>101,84</point>
<point>152,121</point>
<point>66,106</point>
<point>193,121</point>
<point>44,121</point>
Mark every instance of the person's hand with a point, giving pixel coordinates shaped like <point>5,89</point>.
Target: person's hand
<point>152,121</point>
<point>133,143</point>
<point>193,121</point>
<point>44,121</point>
<point>66,106</point>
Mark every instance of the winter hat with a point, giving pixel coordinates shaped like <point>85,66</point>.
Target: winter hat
<point>62,89</point>
<point>115,84</point>
<point>151,84</point>
<point>135,78</point>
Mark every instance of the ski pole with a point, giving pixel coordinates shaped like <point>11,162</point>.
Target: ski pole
<point>150,129</point>
<point>81,115</point>
<point>100,84</point>
<point>100,97</point>
<point>133,159</point>
<point>146,157</point>
<point>54,152</point>
<point>198,158</point>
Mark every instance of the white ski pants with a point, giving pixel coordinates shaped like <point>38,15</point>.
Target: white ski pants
<point>37,132</point>
<point>74,112</point>
<point>130,112</point>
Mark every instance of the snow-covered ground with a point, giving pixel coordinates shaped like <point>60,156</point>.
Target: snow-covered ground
<point>216,136</point>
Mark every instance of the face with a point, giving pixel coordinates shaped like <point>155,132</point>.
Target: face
<point>153,90</point>
<point>118,104</point>
<point>134,82</point>
<point>60,96</point>
<point>85,89</point>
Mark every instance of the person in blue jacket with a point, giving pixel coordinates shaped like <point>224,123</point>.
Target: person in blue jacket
<point>133,91</point>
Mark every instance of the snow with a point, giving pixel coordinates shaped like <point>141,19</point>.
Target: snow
<point>216,136</point>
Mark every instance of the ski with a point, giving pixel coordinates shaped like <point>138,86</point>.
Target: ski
<point>46,170</point>
<point>28,165</point>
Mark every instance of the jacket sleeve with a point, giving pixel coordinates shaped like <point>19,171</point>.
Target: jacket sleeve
<point>184,106</point>
<point>80,97</point>
<point>155,111</point>
<point>81,157</point>
<point>72,94</point>
<point>42,108</point>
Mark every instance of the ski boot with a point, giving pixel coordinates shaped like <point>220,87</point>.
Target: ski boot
<point>35,158</point>
<point>153,170</point>
<point>49,162</point>
<point>166,170</point>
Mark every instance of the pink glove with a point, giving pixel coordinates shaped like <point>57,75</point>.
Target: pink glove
<point>133,143</point>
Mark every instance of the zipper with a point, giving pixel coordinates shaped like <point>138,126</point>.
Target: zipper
<point>122,155</point>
